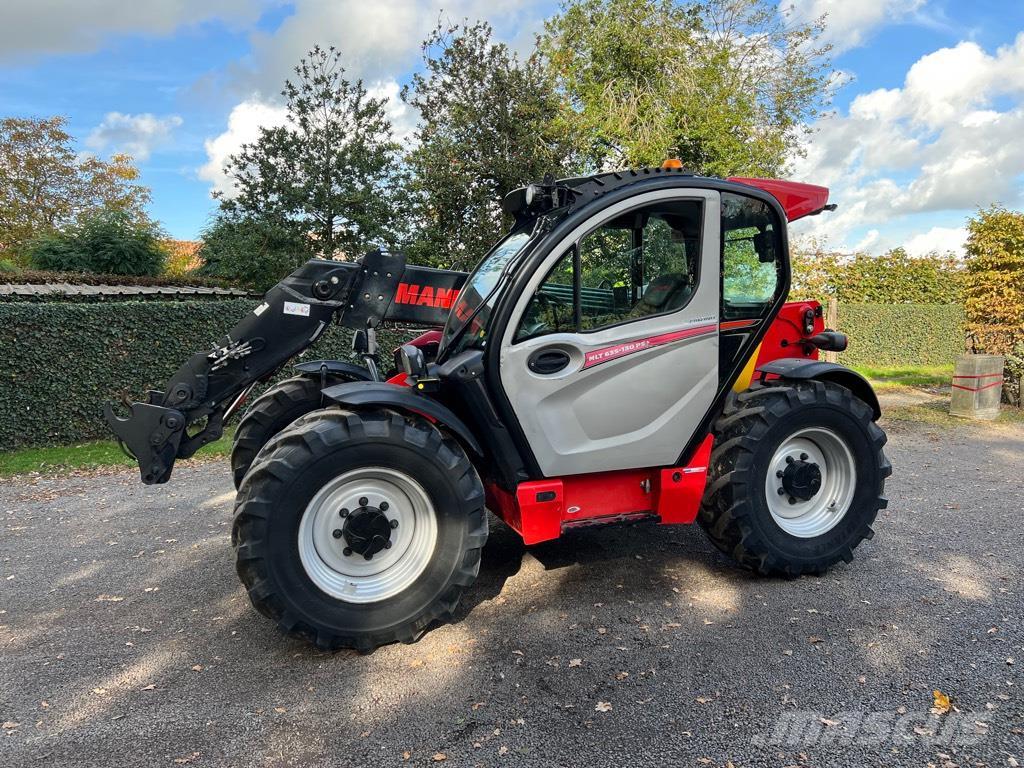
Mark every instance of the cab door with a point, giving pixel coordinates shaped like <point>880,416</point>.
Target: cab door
<point>610,360</point>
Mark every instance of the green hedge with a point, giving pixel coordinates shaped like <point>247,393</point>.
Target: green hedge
<point>59,361</point>
<point>902,334</point>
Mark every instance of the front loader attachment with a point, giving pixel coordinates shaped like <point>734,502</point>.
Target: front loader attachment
<point>207,390</point>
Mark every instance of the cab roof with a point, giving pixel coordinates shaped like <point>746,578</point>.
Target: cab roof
<point>797,199</point>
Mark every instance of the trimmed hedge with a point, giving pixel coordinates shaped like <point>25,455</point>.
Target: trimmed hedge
<point>62,361</point>
<point>902,334</point>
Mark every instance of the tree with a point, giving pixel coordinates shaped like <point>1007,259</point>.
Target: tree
<point>994,289</point>
<point>324,174</point>
<point>490,123</point>
<point>251,251</point>
<point>727,86</point>
<point>45,186</point>
<point>892,278</point>
<point>109,243</point>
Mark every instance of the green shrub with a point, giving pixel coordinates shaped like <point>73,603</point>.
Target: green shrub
<point>8,267</point>
<point>62,361</point>
<point>109,243</point>
<point>250,251</point>
<point>902,334</point>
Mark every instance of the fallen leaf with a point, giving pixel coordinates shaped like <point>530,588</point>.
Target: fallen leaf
<point>479,704</point>
<point>416,663</point>
<point>702,700</point>
<point>575,662</point>
<point>815,639</point>
<point>406,755</point>
<point>150,687</point>
<point>99,691</point>
<point>601,630</point>
<point>10,724</point>
<point>1009,661</point>
<point>197,667</point>
<point>787,652</point>
<point>280,710</point>
<point>862,679</point>
<point>829,723</point>
<point>502,750</point>
<point>187,758</point>
<point>109,599</point>
<point>621,675</point>
<point>941,703</point>
<point>603,706</point>
<point>440,756</point>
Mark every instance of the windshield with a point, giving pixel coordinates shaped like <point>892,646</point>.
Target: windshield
<point>478,296</point>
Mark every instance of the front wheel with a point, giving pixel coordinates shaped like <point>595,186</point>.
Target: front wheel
<point>796,478</point>
<point>359,529</point>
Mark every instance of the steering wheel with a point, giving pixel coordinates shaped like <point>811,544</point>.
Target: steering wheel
<point>542,301</point>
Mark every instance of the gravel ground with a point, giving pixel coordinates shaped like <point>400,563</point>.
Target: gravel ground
<point>126,639</point>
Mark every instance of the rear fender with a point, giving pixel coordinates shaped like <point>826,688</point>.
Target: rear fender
<point>796,368</point>
<point>363,394</point>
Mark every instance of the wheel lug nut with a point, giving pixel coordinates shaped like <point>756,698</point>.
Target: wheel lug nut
<point>368,556</point>
<point>782,491</point>
<point>779,473</point>
<point>387,545</point>
<point>346,551</point>
<point>336,533</point>
<point>789,459</point>
<point>803,457</point>
<point>343,512</point>
<point>792,500</point>
<point>384,506</point>
<point>363,502</point>
<point>394,523</point>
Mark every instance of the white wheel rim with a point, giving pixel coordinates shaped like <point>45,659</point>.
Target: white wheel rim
<point>807,518</point>
<point>351,577</point>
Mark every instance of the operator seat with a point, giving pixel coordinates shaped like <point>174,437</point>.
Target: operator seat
<point>665,293</point>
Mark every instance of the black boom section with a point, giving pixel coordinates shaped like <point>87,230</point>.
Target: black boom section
<point>424,296</point>
<point>210,386</point>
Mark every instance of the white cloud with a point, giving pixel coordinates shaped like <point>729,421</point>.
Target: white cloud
<point>937,240</point>
<point>136,135</point>
<point>848,23</point>
<point>244,125</point>
<point>378,40</point>
<point>947,140</point>
<point>58,26</point>
<point>249,116</point>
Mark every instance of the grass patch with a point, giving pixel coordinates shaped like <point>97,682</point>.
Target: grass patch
<point>91,455</point>
<point>898,377</point>
<point>937,414</point>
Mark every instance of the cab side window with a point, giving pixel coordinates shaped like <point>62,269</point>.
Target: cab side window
<point>751,257</point>
<point>640,264</point>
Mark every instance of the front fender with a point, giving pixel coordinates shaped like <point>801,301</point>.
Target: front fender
<point>353,371</point>
<point>797,368</point>
<point>360,394</point>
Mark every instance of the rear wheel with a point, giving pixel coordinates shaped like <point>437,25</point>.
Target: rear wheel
<point>272,412</point>
<point>359,529</point>
<point>797,477</point>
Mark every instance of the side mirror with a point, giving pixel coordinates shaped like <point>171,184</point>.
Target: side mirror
<point>412,360</point>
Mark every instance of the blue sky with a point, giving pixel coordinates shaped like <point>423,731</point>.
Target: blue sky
<point>927,128</point>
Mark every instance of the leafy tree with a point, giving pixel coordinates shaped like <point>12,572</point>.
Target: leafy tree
<point>109,243</point>
<point>490,122</point>
<point>45,186</point>
<point>251,251</point>
<point>324,174</point>
<point>994,289</point>
<point>724,85</point>
<point>892,278</point>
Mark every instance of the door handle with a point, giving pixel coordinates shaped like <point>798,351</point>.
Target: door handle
<point>549,360</point>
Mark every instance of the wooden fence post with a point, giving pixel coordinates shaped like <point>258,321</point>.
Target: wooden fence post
<point>832,321</point>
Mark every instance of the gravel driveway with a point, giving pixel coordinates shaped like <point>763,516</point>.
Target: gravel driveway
<point>126,639</point>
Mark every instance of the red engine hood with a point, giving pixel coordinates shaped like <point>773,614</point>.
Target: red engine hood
<point>798,200</point>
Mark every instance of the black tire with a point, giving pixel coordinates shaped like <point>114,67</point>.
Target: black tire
<point>270,413</point>
<point>735,512</point>
<point>290,471</point>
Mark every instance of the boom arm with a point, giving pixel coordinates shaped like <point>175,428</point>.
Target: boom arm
<point>293,315</point>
